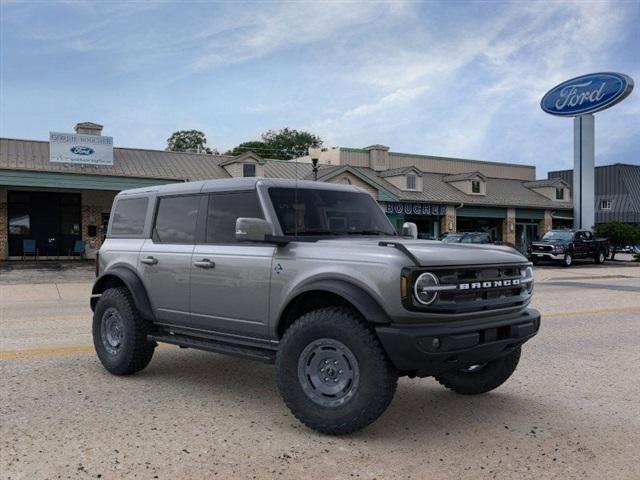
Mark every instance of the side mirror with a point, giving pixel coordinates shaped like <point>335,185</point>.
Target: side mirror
<point>410,229</point>
<point>252,229</point>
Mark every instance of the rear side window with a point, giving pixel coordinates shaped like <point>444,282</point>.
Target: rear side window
<point>225,209</point>
<point>128,217</point>
<point>176,219</point>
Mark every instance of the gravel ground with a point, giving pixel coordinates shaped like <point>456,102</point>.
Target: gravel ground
<point>571,410</point>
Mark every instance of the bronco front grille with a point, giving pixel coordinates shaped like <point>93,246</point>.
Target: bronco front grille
<point>476,289</point>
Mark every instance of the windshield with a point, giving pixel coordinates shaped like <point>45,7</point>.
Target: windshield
<point>308,211</point>
<point>558,235</point>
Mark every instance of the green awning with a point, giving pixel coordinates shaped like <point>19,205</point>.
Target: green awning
<point>482,212</point>
<point>28,178</point>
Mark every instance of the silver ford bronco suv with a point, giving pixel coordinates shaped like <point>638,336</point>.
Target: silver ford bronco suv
<point>312,277</point>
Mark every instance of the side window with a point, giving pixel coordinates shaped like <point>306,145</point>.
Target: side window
<point>128,217</point>
<point>225,209</point>
<point>176,219</point>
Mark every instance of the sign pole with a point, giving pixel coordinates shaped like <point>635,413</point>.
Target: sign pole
<point>583,171</point>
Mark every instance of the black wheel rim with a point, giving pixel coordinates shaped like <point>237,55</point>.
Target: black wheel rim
<point>328,372</point>
<point>112,330</point>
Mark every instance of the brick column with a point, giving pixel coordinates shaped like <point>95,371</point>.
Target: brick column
<point>509,226</point>
<point>94,204</point>
<point>545,224</point>
<point>448,222</point>
<point>4,225</point>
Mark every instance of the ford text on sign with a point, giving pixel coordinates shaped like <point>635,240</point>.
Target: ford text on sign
<point>587,94</point>
<point>85,149</point>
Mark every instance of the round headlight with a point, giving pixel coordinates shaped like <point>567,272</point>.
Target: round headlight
<point>527,278</point>
<point>560,248</point>
<point>424,290</point>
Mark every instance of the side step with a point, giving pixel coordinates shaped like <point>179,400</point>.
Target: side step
<point>252,353</point>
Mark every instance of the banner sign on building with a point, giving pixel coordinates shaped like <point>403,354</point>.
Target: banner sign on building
<point>80,149</point>
<point>415,208</point>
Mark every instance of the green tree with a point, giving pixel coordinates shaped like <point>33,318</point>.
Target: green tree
<point>619,234</point>
<point>259,148</point>
<point>283,144</point>
<point>188,141</point>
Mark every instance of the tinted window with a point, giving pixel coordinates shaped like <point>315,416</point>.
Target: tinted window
<point>328,212</point>
<point>128,217</point>
<point>225,209</point>
<point>176,219</point>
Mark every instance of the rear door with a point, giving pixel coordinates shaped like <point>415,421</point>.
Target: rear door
<point>230,281</point>
<point>165,259</point>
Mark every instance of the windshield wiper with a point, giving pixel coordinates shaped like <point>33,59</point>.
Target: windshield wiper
<point>368,232</point>
<point>316,232</point>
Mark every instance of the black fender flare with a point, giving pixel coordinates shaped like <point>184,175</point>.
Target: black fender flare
<point>133,283</point>
<point>355,295</point>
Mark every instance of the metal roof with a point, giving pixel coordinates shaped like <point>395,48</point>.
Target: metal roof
<point>463,176</point>
<point>33,155</point>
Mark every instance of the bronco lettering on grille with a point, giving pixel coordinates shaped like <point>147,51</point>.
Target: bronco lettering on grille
<point>515,282</point>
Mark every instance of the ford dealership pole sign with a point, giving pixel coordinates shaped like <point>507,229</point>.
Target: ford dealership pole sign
<point>80,149</point>
<point>587,94</point>
<point>580,97</point>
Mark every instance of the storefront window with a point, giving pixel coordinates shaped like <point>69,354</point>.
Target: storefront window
<point>19,213</point>
<point>19,220</point>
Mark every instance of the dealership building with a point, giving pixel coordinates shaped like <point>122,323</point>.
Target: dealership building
<point>51,199</point>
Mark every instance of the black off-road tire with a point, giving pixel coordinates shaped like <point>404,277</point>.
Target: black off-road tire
<point>600,257</point>
<point>134,351</point>
<point>371,394</point>
<point>567,261</point>
<point>483,380</point>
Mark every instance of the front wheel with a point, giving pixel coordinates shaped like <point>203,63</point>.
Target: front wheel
<point>120,333</point>
<point>482,378</point>
<point>332,372</point>
<point>600,257</point>
<point>567,261</point>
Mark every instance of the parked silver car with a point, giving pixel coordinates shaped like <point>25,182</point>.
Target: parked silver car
<point>312,277</point>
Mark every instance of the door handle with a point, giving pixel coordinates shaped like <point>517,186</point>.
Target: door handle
<point>149,260</point>
<point>204,263</point>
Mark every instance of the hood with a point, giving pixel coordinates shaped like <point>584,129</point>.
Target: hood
<point>550,242</point>
<point>435,253</point>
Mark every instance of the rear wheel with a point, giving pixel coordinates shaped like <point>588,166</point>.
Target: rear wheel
<point>120,333</point>
<point>332,372</point>
<point>481,378</point>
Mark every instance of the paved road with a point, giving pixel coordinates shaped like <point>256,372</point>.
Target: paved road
<point>570,411</point>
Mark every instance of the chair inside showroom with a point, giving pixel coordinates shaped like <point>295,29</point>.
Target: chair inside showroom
<point>29,248</point>
<point>79,248</point>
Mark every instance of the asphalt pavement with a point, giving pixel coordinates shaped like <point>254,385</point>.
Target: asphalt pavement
<point>571,410</point>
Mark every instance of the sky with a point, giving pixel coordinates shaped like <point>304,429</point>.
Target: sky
<point>450,78</point>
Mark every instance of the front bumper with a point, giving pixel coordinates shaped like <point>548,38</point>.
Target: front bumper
<point>546,256</point>
<point>426,350</point>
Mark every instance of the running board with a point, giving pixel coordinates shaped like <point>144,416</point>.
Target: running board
<point>252,353</point>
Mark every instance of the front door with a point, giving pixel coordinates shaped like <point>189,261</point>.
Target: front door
<point>230,281</point>
<point>165,259</point>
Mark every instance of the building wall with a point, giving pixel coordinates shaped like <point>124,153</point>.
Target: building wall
<point>235,169</point>
<point>400,181</point>
<point>356,182</point>
<point>4,224</point>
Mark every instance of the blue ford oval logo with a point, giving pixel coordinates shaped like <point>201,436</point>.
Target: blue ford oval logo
<point>79,150</point>
<point>587,94</point>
